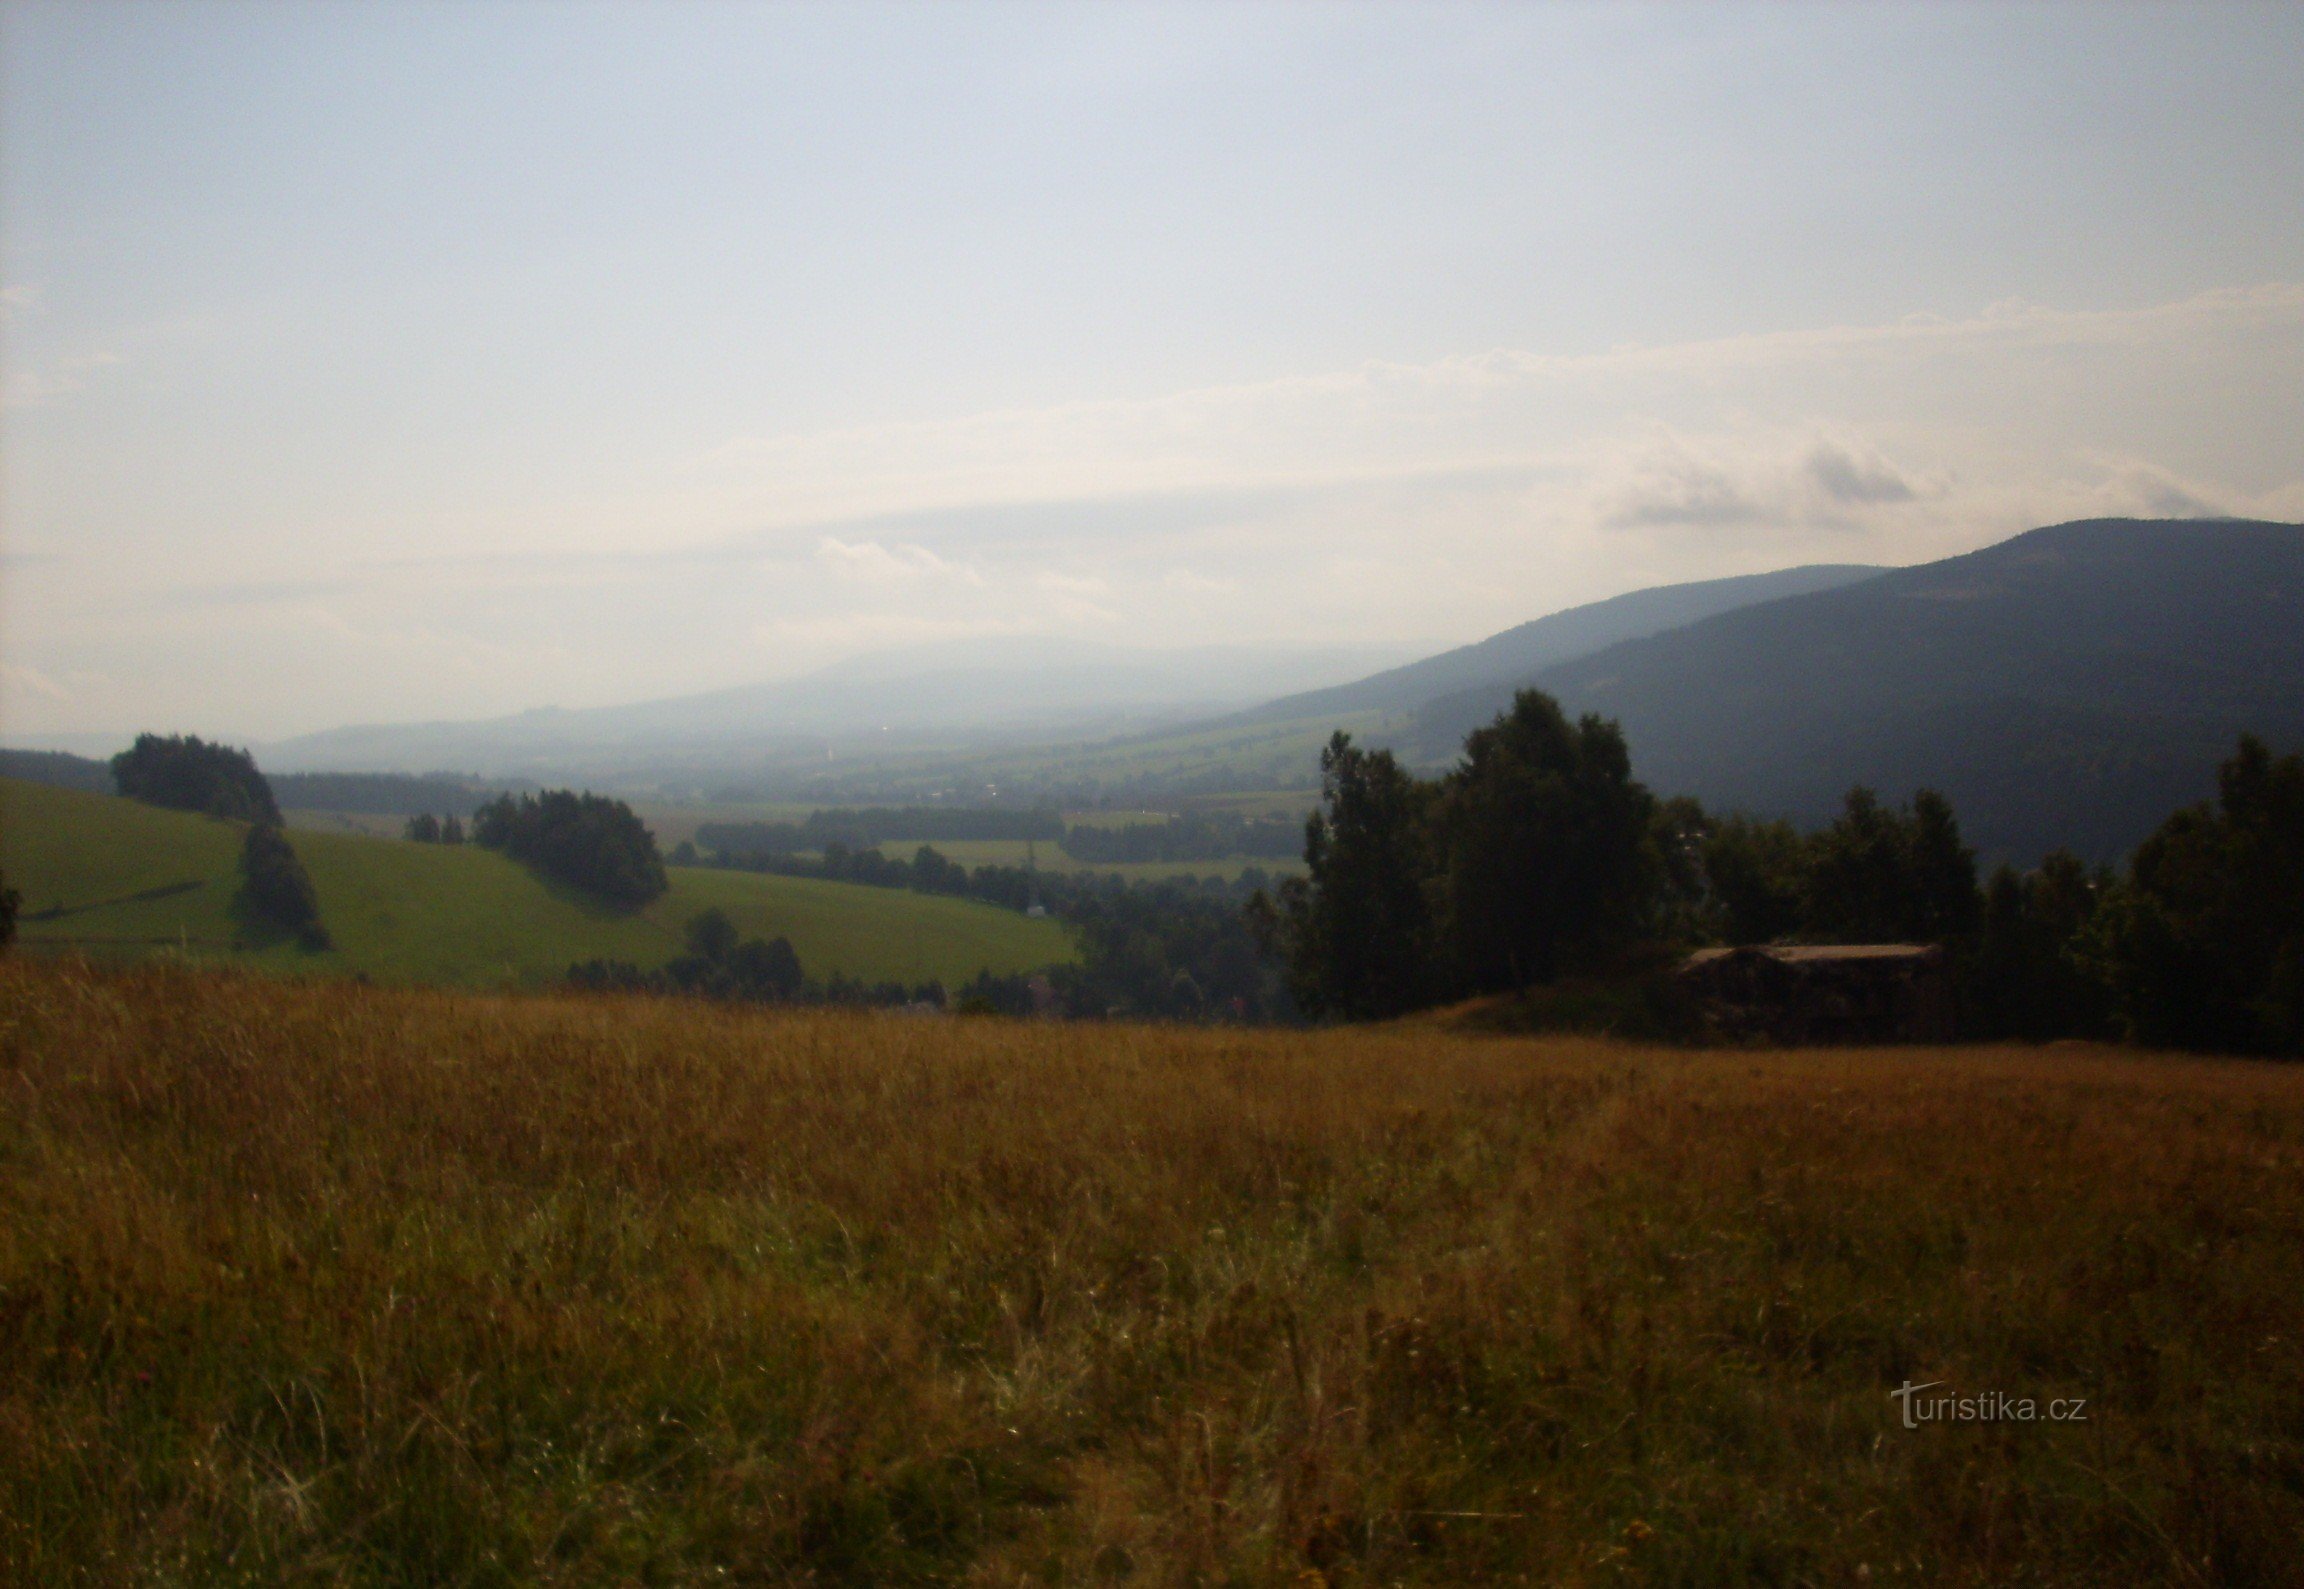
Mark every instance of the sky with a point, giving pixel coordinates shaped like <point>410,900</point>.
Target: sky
<point>392,361</point>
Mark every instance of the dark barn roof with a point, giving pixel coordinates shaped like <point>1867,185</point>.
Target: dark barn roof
<point>1824,993</point>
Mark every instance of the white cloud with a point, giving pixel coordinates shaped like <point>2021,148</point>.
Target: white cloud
<point>1504,407</point>
<point>1426,504</point>
<point>1845,477</point>
<point>1684,491</point>
<point>2147,491</point>
<point>32,681</point>
<point>874,563</point>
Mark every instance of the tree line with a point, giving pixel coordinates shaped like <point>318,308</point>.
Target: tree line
<point>395,794</point>
<point>1539,856</point>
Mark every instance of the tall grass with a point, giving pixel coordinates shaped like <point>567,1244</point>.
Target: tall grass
<point>331,1284</point>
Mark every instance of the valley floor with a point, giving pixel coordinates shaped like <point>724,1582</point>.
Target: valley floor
<point>323,1283</point>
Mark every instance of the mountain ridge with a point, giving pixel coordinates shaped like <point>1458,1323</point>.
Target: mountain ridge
<point>2070,685</point>
<point>1557,637</point>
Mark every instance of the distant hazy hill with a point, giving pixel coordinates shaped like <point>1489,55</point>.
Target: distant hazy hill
<point>57,768</point>
<point>1523,650</point>
<point>1006,685</point>
<point>2069,686</point>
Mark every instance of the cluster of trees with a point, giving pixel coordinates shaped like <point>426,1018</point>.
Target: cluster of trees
<point>1161,951</point>
<point>586,841</point>
<point>1147,951</point>
<point>2199,943</point>
<point>425,828</point>
<point>1876,874</point>
<point>718,965</point>
<point>2202,943</point>
<point>1540,854</point>
<point>1187,838</point>
<point>186,773</point>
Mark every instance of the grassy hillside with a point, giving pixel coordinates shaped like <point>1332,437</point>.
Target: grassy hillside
<point>311,1282</point>
<point>134,879</point>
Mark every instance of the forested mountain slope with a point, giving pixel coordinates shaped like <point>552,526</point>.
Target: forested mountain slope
<point>2066,687</point>
<point>1558,637</point>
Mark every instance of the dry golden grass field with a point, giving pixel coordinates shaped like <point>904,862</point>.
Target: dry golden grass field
<point>327,1284</point>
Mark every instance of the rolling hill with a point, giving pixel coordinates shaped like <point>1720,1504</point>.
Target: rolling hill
<point>957,693</point>
<point>117,879</point>
<point>1540,643</point>
<point>2070,686</point>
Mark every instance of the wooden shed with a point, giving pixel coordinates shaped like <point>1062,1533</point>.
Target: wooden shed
<point>1824,993</point>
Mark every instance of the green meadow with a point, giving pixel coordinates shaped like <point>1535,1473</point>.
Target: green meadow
<point>115,879</point>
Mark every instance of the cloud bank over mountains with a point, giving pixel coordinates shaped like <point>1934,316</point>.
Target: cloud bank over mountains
<point>1412,504</point>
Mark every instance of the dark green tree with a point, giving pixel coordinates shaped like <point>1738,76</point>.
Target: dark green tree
<point>2204,946</point>
<point>1940,870</point>
<point>10,902</point>
<point>1756,874</point>
<point>1681,910</point>
<point>1547,856</point>
<point>186,773</point>
<point>2027,977</point>
<point>276,893</point>
<point>765,968</point>
<point>1356,930</point>
<point>711,935</point>
<point>1878,874</point>
<point>717,966</point>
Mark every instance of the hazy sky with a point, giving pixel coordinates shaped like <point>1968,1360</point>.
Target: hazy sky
<point>390,360</point>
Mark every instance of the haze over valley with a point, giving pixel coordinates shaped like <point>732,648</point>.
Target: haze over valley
<point>1404,792</point>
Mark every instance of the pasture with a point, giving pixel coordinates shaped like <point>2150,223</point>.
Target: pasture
<point>310,1282</point>
<point>115,879</point>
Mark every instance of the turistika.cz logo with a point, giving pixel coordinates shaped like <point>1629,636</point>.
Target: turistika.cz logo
<point>1990,1406</point>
